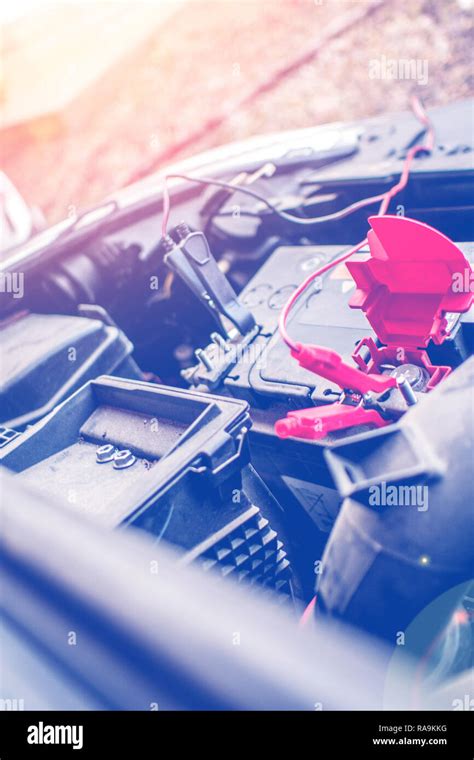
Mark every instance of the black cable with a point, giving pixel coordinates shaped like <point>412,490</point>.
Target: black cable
<point>252,194</point>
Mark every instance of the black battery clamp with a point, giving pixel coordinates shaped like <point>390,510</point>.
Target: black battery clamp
<point>192,260</point>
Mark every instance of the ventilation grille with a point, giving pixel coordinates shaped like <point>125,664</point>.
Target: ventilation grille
<point>251,552</point>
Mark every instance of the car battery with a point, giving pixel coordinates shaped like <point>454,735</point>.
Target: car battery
<point>168,461</point>
<point>258,367</point>
<point>46,357</point>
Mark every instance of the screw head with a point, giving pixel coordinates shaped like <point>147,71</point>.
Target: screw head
<point>123,459</point>
<point>105,453</point>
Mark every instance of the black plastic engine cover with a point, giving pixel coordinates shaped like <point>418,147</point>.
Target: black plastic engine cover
<point>46,357</point>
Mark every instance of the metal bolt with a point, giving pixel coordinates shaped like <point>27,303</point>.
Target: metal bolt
<point>183,230</point>
<point>407,391</point>
<point>123,459</point>
<point>220,341</point>
<point>105,453</point>
<point>202,357</point>
<point>416,376</point>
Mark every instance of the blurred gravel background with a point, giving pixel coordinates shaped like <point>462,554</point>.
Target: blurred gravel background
<point>206,57</point>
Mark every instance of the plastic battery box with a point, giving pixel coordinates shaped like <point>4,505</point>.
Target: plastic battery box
<point>171,462</point>
<point>259,369</point>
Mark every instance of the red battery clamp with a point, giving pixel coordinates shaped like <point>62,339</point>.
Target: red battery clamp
<point>413,277</point>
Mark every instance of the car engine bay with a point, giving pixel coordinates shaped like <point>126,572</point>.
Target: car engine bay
<point>195,360</point>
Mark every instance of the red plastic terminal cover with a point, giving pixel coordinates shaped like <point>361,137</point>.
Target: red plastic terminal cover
<point>412,277</point>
